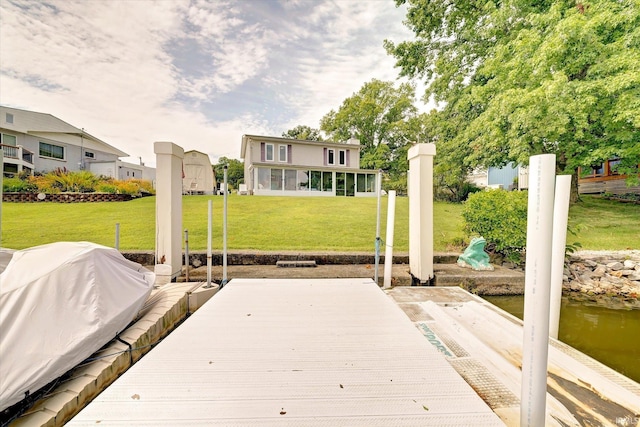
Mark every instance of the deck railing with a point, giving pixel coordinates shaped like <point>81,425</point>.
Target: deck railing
<point>17,152</point>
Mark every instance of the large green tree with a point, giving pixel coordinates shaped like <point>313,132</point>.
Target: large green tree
<point>382,116</point>
<point>235,171</point>
<point>521,78</point>
<point>303,132</point>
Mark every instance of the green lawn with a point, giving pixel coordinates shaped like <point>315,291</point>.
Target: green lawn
<point>283,223</point>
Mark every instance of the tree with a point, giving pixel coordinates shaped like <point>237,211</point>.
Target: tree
<point>520,78</point>
<point>235,171</point>
<point>377,115</point>
<point>303,132</point>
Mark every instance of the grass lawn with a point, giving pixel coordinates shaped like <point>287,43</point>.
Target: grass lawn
<point>284,223</point>
<point>605,224</point>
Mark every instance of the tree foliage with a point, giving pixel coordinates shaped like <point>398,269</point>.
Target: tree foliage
<point>235,171</point>
<point>384,118</point>
<point>303,132</point>
<point>523,78</point>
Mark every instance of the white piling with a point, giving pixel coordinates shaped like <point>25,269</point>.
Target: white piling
<point>388,253</point>
<point>420,186</point>
<point>377,242</point>
<point>535,350</point>
<point>169,206</point>
<point>117,246</point>
<point>224,230</point>
<point>560,220</point>
<point>209,229</point>
<point>186,255</point>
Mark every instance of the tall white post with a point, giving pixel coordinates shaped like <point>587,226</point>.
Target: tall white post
<point>535,348</point>
<point>388,252</point>
<point>560,220</point>
<point>224,229</point>
<point>420,187</point>
<point>377,241</point>
<point>209,232</point>
<point>169,207</point>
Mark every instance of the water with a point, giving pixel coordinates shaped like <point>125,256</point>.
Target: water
<point>609,335</point>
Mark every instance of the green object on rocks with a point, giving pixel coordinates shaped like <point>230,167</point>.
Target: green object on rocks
<point>474,256</point>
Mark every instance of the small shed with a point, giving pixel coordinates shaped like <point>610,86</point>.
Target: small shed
<point>198,177</point>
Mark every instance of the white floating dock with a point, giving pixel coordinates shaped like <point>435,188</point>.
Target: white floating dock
<point>293,352</point>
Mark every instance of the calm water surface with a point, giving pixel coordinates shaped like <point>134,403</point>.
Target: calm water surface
<point>611,336</point>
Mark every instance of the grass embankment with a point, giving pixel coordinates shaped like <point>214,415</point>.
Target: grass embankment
<point>284,223</point>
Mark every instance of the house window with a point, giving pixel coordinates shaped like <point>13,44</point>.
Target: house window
<point>613,164</point>
<point>8,140</point>
<point>269,153</point>
<point>316,181</point>
<point>342,157</point>
<point>9,118</point>
<point>290,179</point>
<point>89,154</point>
<point>264,177</point>
<point>282,153</point>
<point>331,157</point>
<point>303,180</point>
<point>50,150</point>
<point>327,181</point>
<point>597,170</point>
<point>276,179</point>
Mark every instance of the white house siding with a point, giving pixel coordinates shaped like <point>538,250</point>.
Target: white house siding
<point>79,148</point>
<point>305,170</point>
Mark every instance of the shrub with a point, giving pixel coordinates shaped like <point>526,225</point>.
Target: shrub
<point>501,218</point>
<point>145,186</point>
<point>454,191</point>
<point>17,185</point>
<point>105,187</point>
<point>61,180</point>
<point>127,187</point>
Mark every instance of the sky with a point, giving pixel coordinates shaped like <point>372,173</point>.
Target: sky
<point>197,73</point>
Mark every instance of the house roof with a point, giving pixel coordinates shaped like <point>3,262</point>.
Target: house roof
<point>34,123</point>
<point>274,139</point>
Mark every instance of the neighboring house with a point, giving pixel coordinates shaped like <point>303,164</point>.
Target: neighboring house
<point>123,170</point>
<point>603,178</point>
<point>198,177</point>
<point>40,142</point>
<point>599,179</point>
<point>292,167</point>
<point>509,177</point>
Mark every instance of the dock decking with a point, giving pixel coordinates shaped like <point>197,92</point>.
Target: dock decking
<point>292,352</point>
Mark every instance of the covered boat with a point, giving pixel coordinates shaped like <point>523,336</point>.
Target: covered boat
<point>59,303</point>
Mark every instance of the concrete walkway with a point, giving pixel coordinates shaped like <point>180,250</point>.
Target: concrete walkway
<point>501,281</point>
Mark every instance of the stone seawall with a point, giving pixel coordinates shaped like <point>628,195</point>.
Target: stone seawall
<point>606,273</point>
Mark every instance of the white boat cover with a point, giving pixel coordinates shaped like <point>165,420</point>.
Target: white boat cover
<point>59,303</point>
<point>5,257</point>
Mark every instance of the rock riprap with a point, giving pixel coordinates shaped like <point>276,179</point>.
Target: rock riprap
<point>604,273</point>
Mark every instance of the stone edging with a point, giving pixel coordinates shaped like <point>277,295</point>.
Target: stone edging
<point>65,197</point>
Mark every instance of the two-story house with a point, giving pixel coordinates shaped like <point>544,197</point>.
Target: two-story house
<point>292,167</point>
<point>42,142</point>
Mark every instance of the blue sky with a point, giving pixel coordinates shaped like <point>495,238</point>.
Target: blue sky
<point>197,73</point>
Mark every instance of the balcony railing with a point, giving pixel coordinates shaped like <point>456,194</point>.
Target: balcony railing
<point>17,152</point>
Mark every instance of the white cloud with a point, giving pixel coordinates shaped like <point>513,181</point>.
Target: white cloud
<point>198,73</point>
